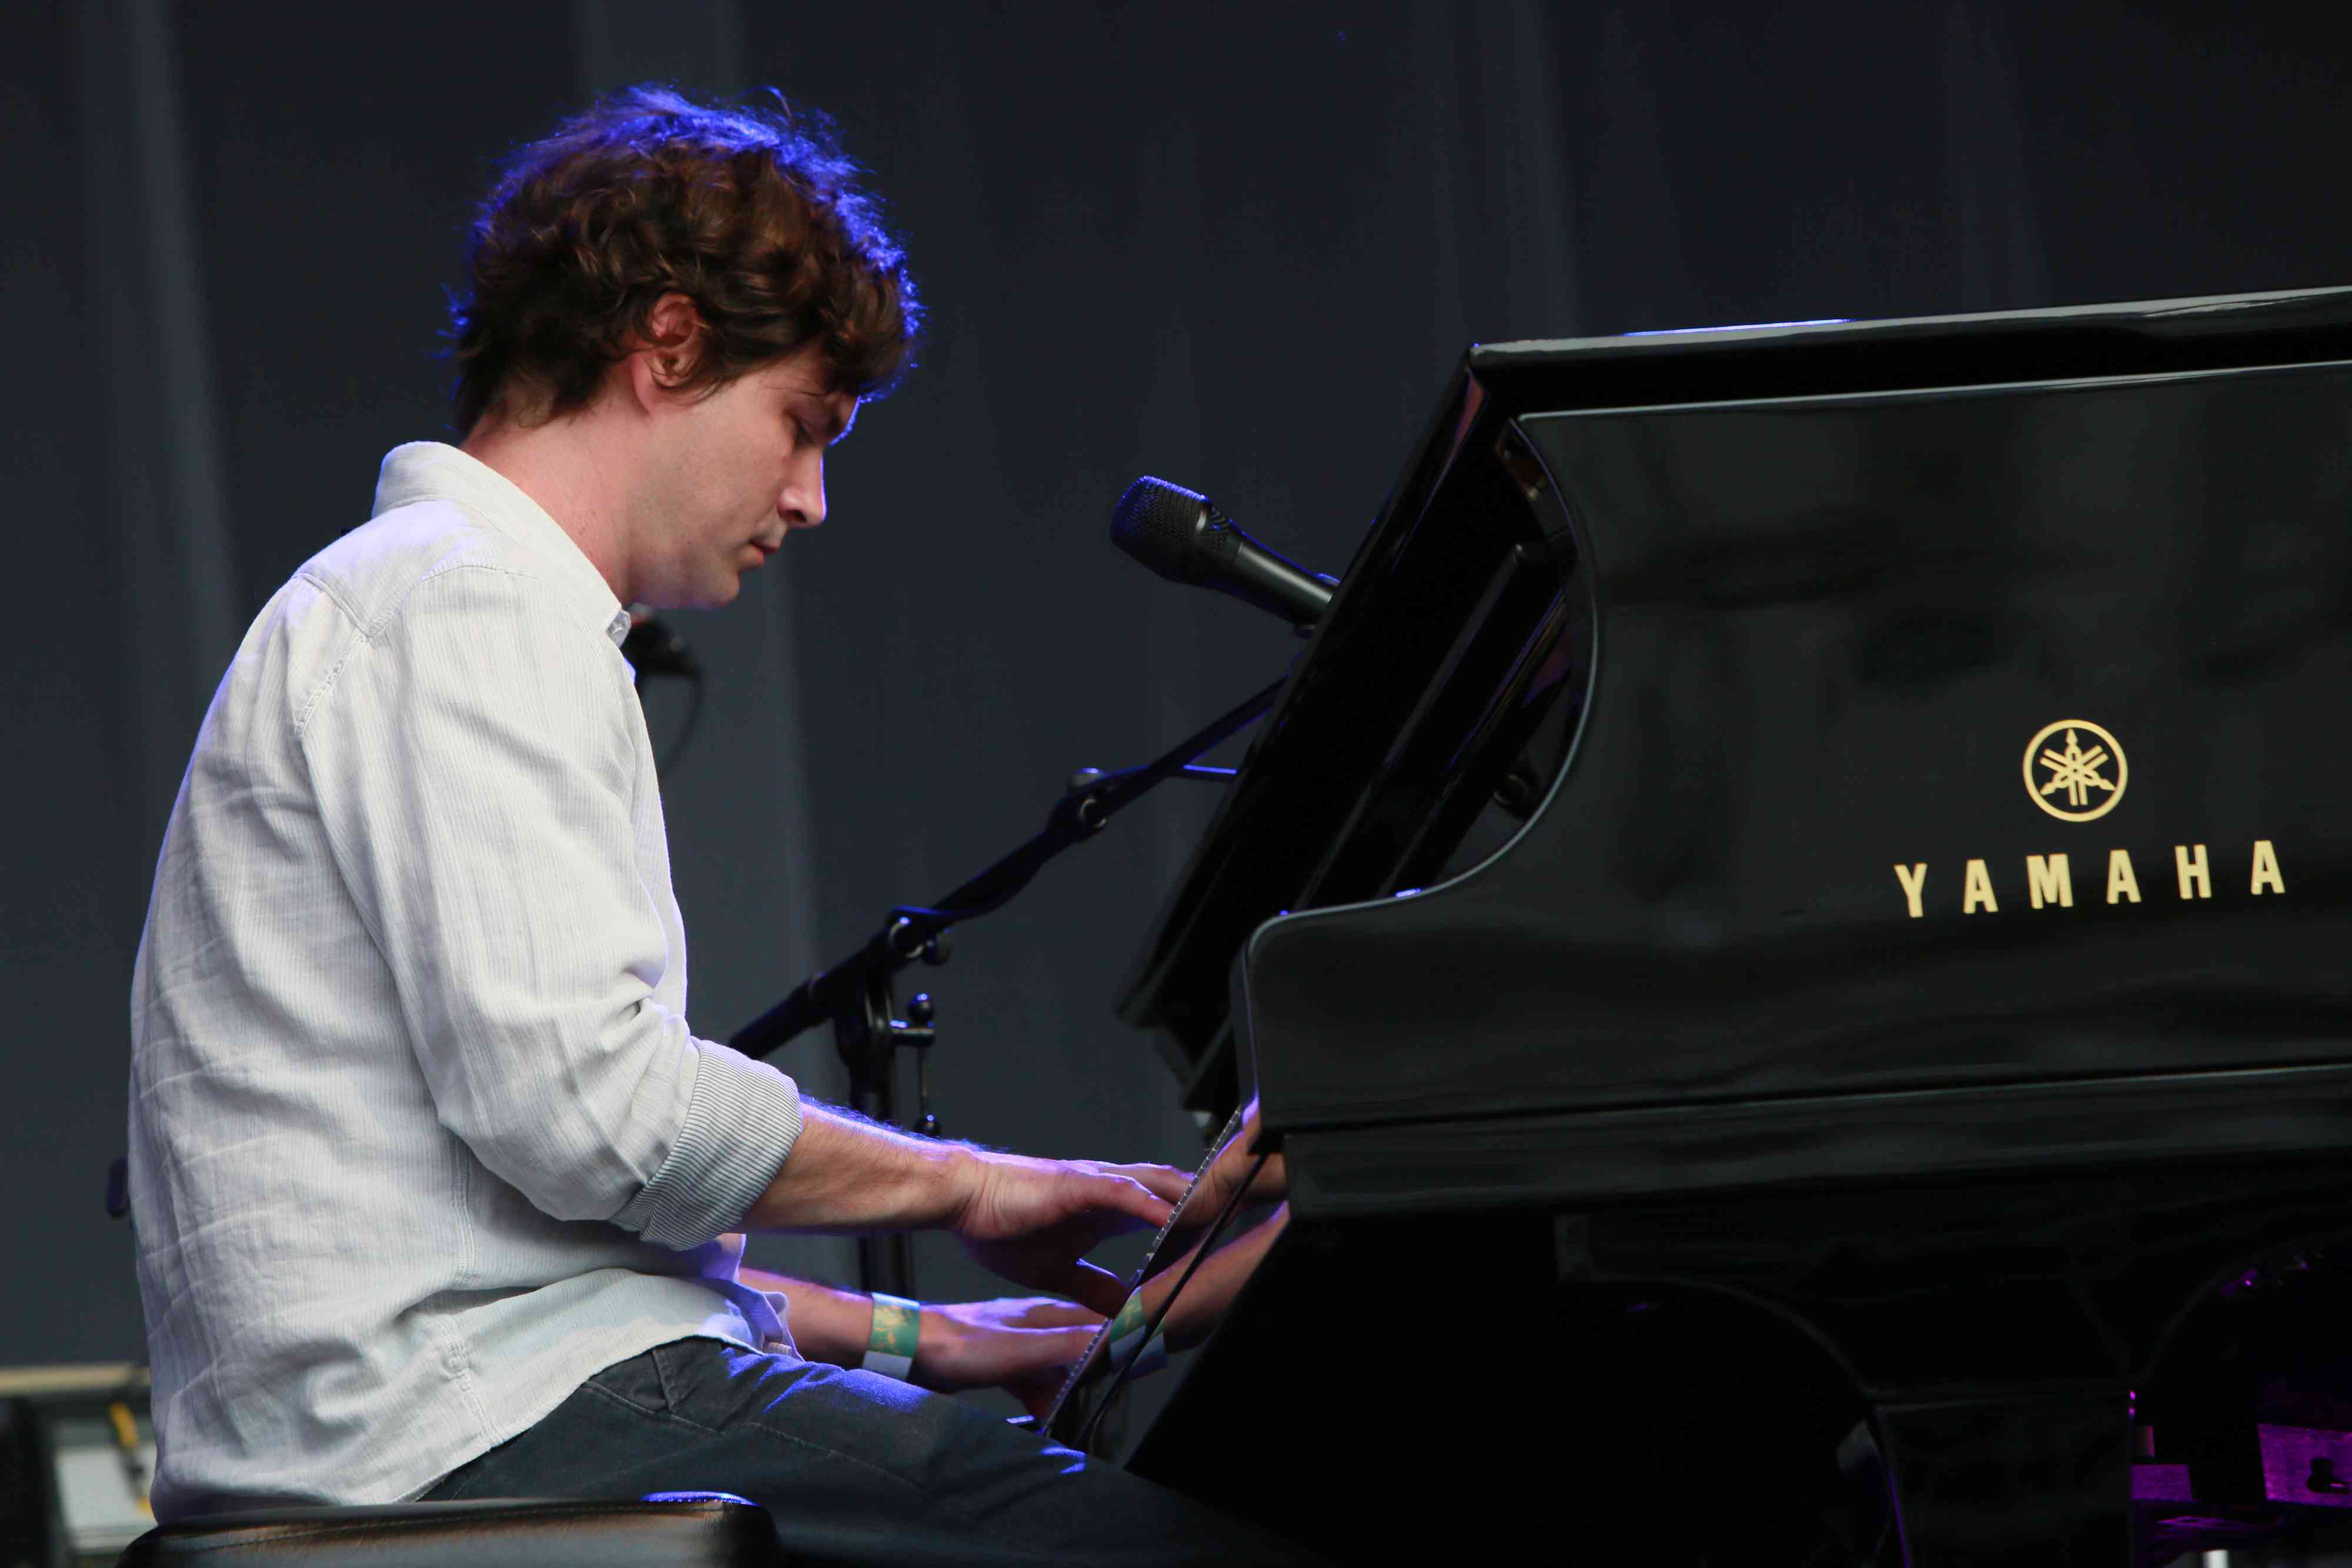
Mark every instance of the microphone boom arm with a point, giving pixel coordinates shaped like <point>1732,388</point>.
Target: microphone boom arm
<point>911,930</point>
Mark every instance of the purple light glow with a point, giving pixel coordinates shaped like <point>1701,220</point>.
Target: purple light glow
<point>1737,327</point>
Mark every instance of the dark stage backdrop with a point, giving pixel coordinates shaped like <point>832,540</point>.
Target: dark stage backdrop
<point>1237,249</point>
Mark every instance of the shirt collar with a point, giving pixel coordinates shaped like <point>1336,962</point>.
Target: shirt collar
<point>433,471</point>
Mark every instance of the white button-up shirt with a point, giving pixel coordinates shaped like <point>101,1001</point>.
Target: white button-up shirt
<point>419,1139</point>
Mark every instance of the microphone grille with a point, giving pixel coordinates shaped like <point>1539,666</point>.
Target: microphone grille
<point>1159,525</point>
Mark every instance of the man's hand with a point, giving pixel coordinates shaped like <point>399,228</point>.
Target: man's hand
<point>1023,1345</point>
<point>1033,1222</point>
<point>1230,1169</point>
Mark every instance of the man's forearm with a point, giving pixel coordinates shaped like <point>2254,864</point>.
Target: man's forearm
<point>827,1326</point>
<point>847,1177</point>
<point>1023,1346</point>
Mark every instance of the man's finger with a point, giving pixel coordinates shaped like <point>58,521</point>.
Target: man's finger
<point>1076,1279</point>
<point>1060,1347</point>
<point>1045,1312</point>
<point>1095,1287</point>
<point>1161,1181</point>
<point>1125,1195</point>
<point>1037,1394</point>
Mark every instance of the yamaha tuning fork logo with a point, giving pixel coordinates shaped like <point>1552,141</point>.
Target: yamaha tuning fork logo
<point>2075,770</point>
<point>2070,780</point>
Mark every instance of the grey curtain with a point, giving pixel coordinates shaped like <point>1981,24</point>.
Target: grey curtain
<point>1237,247</point>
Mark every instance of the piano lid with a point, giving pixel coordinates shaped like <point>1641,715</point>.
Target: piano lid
<point>1744,622</point>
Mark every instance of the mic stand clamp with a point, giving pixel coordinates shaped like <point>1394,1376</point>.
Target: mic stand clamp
<point>868,1037</point>
<point>1090,812</point>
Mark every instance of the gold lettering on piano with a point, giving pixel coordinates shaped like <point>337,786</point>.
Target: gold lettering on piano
<point>2048,880</point>
<point>2266,869</point>
<point>1914,879</point>
<point>2190,870</point>
<point>2078,788</point>
<point>2076,771</point>
<point>2122,883</point>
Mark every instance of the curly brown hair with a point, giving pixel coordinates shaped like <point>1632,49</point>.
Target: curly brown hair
<point>754,215</point>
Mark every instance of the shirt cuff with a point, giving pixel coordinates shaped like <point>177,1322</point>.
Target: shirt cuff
<point>741,1119</point>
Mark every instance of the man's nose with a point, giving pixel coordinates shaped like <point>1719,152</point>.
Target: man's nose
<point>801,506</point>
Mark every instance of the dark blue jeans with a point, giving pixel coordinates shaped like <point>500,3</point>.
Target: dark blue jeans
<point>853,1466</point>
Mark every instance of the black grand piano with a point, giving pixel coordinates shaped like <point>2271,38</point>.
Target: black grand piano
<point>1793,926</point>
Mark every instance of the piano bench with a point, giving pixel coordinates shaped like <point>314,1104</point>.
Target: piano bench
<point>668,1530</point>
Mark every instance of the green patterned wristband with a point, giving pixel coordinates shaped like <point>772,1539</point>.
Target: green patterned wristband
<point>1130,1319</point>
<point>890,1348</point>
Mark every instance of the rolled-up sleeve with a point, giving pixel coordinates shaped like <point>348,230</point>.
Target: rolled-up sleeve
<point>478,775</point>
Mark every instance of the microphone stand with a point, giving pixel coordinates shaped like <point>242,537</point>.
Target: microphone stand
<point>857,995</point>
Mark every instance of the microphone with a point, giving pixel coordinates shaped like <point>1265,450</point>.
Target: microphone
<point>1182,536</point>
<point>652,649</point>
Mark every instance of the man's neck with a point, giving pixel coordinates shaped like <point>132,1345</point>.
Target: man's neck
<point>579,474</point>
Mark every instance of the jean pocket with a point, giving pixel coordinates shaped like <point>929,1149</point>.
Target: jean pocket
<point>637,1383</point>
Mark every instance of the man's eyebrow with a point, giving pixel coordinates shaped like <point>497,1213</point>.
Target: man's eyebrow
<point>830,427</point>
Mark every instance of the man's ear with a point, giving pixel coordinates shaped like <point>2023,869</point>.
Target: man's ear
<point>664,359</point>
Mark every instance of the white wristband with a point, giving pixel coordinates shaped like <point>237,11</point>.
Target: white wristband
<point>887,1365</point>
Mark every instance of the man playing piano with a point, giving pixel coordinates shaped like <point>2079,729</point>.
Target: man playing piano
<point>438,1195</point>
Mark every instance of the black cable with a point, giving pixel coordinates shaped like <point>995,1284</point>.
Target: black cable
<point>656,652</point>
<point>1208,1244</point>
<point>686,732</point>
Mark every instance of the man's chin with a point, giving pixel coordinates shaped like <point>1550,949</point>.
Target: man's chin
<point>714,595</point>
<point>719,591</point>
